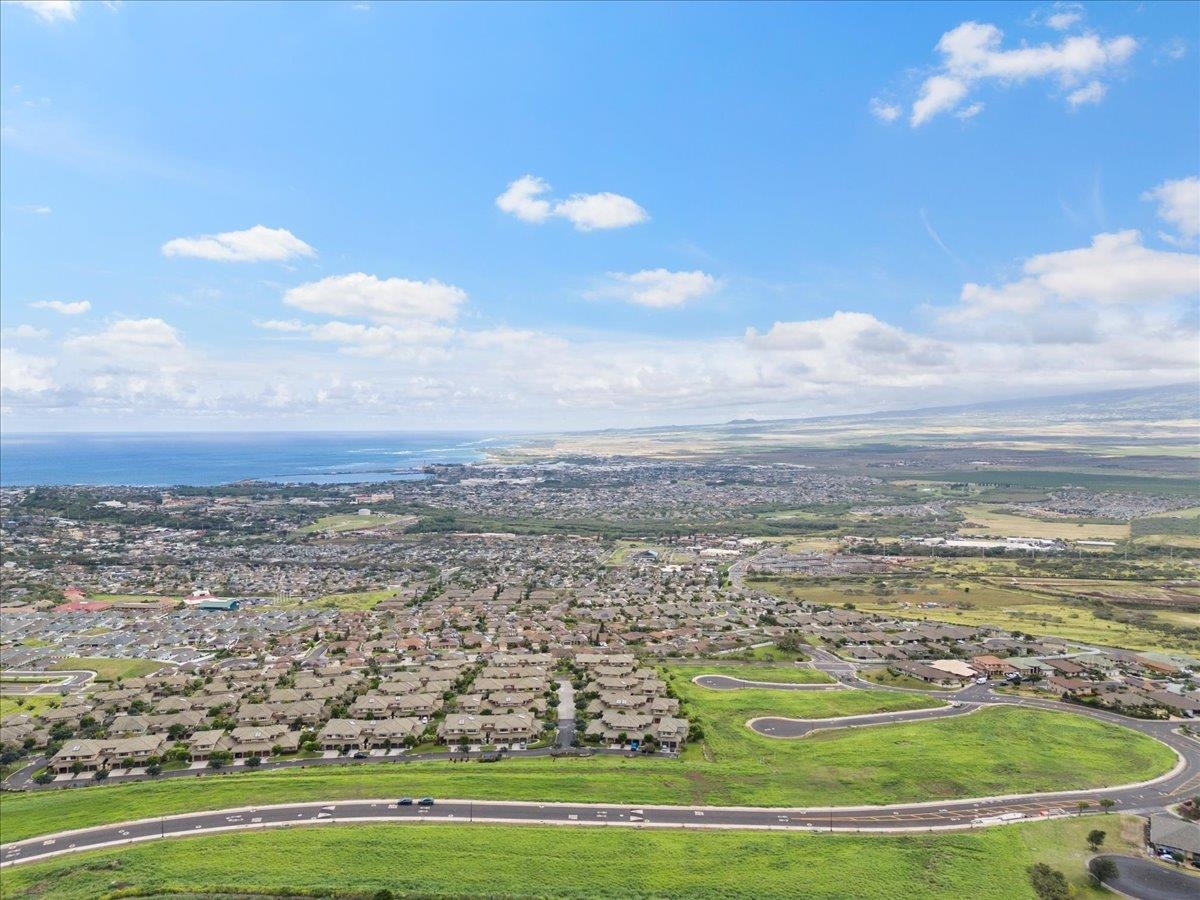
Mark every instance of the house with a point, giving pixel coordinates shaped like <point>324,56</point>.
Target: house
<point>992,666</point>
<point>1167,834</point>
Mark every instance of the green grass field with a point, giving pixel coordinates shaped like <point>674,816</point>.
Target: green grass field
<point>32,704</point>
<point>783,674</point>
<point>984,519</point>
<point>353,522</point>
<point>885,677</point>
<point>995,751</point>
<point>109,669</point>
<point>495,861</point>
<point>354,600</point>
<point>981,603</point>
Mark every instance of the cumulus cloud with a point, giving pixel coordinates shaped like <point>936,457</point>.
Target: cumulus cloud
<point>972,54</point>
<point>1116,268</point>
<point>524,199</point>
<point>1092,92</point>
<point>884,111</point>
<point>386,300</point>
<point>1178,204</point>
<point>24,332</point>
<point>657,288</point>
<point>65,308</point>
<point>21,373</point>
<point>129,341</point>
<point>365,340</point>
<point>257,244</point>
<point>51,10</point>
<point>588,212</point>
<point>1060,16</point>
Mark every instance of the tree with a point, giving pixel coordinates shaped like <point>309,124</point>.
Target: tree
<point>1082,805</point>
<point>1107,803</point>
<point>1095,838</point>
<point>1105,869</point>
<point>1048,883</point>
<point>253,762</point>
<point>153,769</point>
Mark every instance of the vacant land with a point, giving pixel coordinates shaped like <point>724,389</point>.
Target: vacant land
<point>985,602</point>
<point>891,679</point>
<point>984,519</point>
<point>666,555</point>
<point>751,672</point>
<point>109,669</point>
<point>353,522</point>
<point>493,860</point>
<point>995,751</point>
<point>350,601</point>
<point>31,704</point>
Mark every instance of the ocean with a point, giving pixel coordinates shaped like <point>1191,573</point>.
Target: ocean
<point>151,460</point>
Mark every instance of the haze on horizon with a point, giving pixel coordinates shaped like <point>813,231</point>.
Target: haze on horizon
<point>353,216</point>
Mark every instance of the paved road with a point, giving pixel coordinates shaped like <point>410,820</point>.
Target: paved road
<point>1149,880</point>
<point>868,818</point>
<point>66,681</point>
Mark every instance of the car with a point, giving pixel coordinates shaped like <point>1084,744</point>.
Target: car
<point>358,754</point>
<point>405,801</point>
<point>1167,857</point>
<point>425,801</point>
<point>982,679</point>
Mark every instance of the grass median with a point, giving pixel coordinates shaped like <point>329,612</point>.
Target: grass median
<point>494,861</point>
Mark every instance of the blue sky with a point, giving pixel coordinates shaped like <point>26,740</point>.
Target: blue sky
<point>778,210</point>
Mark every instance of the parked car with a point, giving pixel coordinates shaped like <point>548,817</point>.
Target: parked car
<point>405,801</point>
<point>425,801</point>
<point>358,754</point>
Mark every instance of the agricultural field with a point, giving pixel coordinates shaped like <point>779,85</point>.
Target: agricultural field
<point>995,751</point>
<point>987,520</point>
<point>109,669</point>
<point>493,860</point>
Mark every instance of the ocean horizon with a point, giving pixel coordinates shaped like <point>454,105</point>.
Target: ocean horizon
<point>204,459</point>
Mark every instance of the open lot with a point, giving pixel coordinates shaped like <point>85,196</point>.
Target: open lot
<point>1005,604</point>
<point>493,860</point>
<point>353,600</point>
<point>354,522</point>
<point>784,674</point>
<point>984,519</point>
<point>109,669</point>
<point>31,704</point>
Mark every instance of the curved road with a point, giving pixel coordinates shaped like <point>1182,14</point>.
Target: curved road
<point>1149,880</point>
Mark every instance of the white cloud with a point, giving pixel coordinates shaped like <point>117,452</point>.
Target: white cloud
<point>21,373</point>
<point>1092,92</point>
<point>51,10</point>
<point>658,288</point>
<point>1179,204</point>
<point>521,199</point>
<point>367,340</point>
<point>587,212</point>
<point>36,209</point>
<point>65,308</point>
<point>389,300</point>
<point>938,94</point>
<point>129,341</point>
<point>970,112</point>
<point>1060,16</point>
<point>972,54</point>
<point>257,244</point>
<point>24,332</point>
<point>884,111</point>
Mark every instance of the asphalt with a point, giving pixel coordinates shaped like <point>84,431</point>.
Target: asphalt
<point>1150,880</point>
